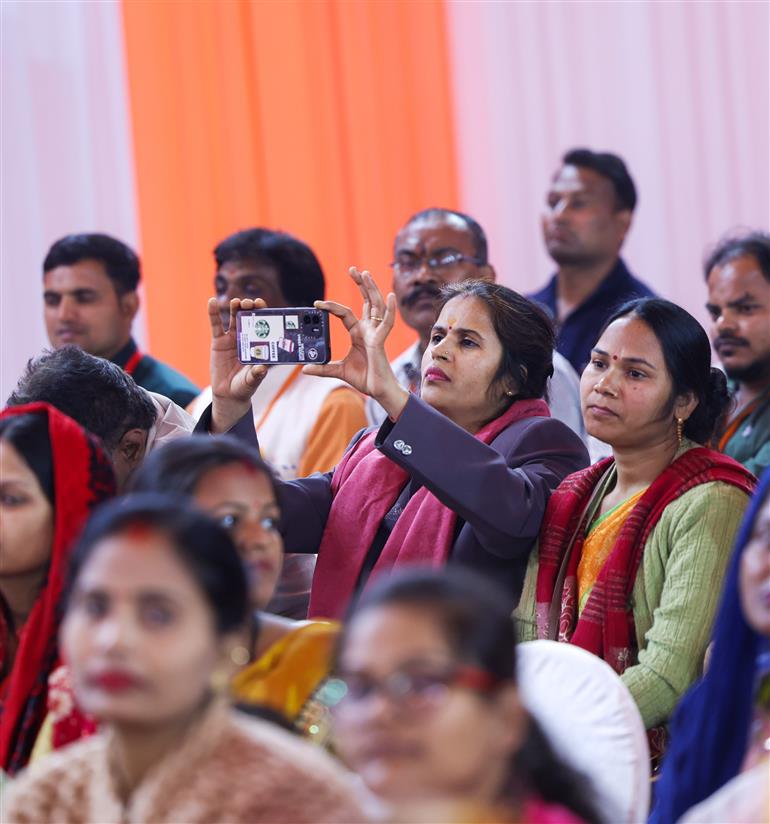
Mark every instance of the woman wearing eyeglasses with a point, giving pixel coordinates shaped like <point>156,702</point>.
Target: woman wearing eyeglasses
<point>461,474</point>
<point>427,712</point>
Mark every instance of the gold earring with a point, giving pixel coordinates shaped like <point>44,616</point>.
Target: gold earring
<point>509,393</point>
<point>680,430</point>
<point>239,655</point>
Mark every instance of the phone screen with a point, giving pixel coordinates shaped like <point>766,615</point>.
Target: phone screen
<point>292,335</point>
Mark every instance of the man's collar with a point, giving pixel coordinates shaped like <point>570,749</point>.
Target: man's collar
<point>124,355</point>
<point>616,281</point>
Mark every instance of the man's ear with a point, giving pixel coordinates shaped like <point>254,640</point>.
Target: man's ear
<point>623,218</point>
<point>132,447</point>
<point>129,304</point>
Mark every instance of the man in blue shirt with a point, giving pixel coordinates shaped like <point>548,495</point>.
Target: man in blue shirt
<point>589,209</point>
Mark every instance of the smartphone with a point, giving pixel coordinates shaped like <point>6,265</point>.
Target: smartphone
<point>272,336</point>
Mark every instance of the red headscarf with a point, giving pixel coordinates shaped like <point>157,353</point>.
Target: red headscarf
<point>82,478</point>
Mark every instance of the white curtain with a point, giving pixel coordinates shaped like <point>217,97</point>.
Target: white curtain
<point>678,89</point>
<point>66,153</point>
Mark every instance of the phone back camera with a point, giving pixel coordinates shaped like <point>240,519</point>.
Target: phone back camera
<point>311,322</point>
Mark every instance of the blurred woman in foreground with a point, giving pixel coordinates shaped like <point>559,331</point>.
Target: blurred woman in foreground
<point>158,598</point>
<point>428,714</point>
<point>284,662</point>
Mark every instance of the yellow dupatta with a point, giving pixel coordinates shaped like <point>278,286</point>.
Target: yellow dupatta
<point>598,544</point>
<point>288,674</point>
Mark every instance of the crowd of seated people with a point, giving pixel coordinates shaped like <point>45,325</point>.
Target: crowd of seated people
<point>303,599</point>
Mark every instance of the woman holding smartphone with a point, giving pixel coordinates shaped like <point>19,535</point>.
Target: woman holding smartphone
<point>461,474</point>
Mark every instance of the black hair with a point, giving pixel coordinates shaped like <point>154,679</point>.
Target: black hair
<point>525,331</point>
<point>754,244</point>
<point>477,233</point>
<point>299,272</point>
<point>94,392</point>
<point>687,355</point>
<point>204,548</point>
<point>179,465</point>
<point>28,434</point>
<point>610,166</point>
<point>475,615</point>
<point>120,261</point>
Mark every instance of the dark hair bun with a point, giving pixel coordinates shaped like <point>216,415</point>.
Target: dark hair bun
<point>703,422</point>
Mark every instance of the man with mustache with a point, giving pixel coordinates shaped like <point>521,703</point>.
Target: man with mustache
<point>738,278</point>
<point>589,208</point>
<point>437,247</point>
<point>90,295</point>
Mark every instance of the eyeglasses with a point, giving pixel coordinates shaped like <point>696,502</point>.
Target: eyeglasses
<point>412,691</point>
<point>436,263</point>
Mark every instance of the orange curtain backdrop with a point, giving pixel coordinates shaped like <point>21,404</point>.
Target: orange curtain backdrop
<point>330,120</point>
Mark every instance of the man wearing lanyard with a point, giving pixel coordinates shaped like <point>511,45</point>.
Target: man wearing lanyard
<point>90,283</point>
<point>738,278</point>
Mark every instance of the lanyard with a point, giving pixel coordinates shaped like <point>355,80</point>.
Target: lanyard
<point>732,427</point>
<point>133,362</point>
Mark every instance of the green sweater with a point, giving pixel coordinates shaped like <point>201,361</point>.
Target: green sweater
<point>675,595</point>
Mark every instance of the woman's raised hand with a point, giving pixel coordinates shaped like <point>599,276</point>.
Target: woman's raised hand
<point>366,367</point>
<point>232,382</point>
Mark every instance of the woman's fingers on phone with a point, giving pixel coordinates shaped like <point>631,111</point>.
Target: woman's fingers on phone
<point>324,370</point>
<point>244,305</point>
<point>255,375</point>
<point>338,310</point>
<point>248,304</point>
<point>215,319</point>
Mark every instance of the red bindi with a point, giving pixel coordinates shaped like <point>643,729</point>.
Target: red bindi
<point>614,357</point>
<point>138,531</point>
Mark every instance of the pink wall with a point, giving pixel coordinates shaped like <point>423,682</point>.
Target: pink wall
<point>679,89</point>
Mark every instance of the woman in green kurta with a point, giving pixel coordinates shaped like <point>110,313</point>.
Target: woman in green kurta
<point>633,550</point>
